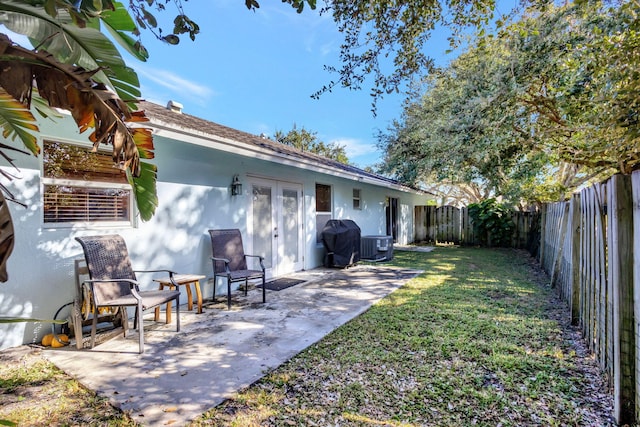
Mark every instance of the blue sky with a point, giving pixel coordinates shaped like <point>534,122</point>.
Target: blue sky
<point>255,71</point>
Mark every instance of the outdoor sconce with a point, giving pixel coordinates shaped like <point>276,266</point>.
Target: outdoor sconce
<point>236,186</point>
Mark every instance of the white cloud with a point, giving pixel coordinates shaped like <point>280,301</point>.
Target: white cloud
<point>176,84</point>
<point>353,147</point>
<point>358,151</point>
<point>327,48</point>
<point>319,31</point>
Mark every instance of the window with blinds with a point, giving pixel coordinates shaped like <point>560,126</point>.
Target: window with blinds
<point>80,186</point>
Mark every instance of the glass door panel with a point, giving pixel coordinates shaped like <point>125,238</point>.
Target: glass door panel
<point>290,229</point>
<point>262,223</point>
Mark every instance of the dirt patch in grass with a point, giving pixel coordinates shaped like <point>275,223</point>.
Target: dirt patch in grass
<point>33,392</point>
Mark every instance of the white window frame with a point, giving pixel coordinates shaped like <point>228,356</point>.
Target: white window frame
<point>46,181</point>
<point>357,199</point>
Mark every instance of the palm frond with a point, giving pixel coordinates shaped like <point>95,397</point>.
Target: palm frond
<point>17,122</point>
<point>91,105</point>
<point>144,189</point>
<point>7,238</point>
<point>86,47</point>
<point>118,22</point>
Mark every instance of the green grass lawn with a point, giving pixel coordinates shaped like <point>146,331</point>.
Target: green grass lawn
<point>470,342</point>
<point>475,340</point>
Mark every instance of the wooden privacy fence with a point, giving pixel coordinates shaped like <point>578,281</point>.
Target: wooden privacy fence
<point>449,224</point>
<point>590,247</point>
<point>438,224</point>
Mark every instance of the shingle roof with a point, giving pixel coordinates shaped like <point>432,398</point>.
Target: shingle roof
<point>187,122</point>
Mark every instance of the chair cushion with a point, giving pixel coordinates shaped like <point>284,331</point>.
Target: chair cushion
<point>122,300</point>
<point>245,274</point>
<point>149,299</point>
<point>154,298</point>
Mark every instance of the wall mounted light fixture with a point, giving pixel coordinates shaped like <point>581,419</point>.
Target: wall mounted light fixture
<point>236,186</point>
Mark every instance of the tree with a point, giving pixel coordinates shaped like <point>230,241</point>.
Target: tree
<point>375,30</point>
<point>305,140</point>
<point>529,113</point>
<point>577,81</point>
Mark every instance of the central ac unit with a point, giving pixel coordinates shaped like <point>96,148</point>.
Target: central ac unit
<point>376,248</point>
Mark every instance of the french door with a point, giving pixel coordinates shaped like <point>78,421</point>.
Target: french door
<point>275,225</point>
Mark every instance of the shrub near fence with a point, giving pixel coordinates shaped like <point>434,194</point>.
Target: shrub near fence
<point>590,246</point>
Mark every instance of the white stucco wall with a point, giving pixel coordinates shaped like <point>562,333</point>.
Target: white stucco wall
<point>194,196</point>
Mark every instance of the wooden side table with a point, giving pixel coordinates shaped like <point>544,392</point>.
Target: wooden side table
<point>181,279</point>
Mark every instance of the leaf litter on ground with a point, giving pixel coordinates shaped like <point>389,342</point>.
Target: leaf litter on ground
<point>478,339</point>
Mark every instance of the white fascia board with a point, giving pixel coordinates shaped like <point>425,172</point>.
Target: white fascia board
<point>193,136</point>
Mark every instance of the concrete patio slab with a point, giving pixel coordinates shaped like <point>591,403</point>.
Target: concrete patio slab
<point>216,353</point>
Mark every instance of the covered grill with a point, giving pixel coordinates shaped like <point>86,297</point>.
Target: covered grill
<point>341,239</point>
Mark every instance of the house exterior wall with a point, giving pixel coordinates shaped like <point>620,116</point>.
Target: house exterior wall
<point>194,196</point>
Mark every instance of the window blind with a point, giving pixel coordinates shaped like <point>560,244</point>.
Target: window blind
<point>83,186</point>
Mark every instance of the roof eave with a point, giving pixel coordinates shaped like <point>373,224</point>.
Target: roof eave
<point>193,136</point>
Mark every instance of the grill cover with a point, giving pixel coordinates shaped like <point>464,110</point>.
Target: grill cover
<point>341,239</point>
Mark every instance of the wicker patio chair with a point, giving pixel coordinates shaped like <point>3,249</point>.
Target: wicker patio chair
<point>230,261</point>
<point>113,282</point>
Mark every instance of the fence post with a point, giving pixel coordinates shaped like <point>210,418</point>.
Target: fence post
<point>431,223</point>
<point>575,260</point>
<point>557,259</point>
<point>543,232</point>
<point>466,230</point>
<point>635,184</point>
<point>420,216</point>
<point>620,218</point>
